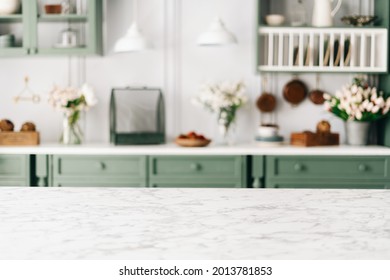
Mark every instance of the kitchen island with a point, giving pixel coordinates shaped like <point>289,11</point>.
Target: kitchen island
<point>114,223</point>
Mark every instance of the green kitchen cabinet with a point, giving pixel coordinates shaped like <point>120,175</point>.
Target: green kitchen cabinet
<point>21,24</point>
<point>198,171</point>
<point>14,170</point>
<point>257,171</point>
<point>38,33</point>
<point>327,172</point>
<point>108,171</point>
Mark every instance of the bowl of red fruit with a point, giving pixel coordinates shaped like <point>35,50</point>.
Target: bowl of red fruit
<point>192,139</point>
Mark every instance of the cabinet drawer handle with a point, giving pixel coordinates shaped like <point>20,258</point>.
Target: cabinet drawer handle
<point>101,165</point>
<point>195,166</point>
<point>298,167</point>
<point>362,167</point>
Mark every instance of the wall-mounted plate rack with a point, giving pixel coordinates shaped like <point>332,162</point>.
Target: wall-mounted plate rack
<point>306,49</point>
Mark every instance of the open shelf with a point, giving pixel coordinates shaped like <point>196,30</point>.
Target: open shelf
<point>62,18</point>
<point>13,51</point>
<point>285,49</point>
<point>11,18</point>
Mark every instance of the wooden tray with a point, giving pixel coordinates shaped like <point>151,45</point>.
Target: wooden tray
<point>19,138</point>
<point>309,139</point>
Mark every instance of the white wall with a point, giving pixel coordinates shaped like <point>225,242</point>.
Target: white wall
<point>175,64</point>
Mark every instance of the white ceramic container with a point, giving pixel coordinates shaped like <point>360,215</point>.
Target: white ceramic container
<point>8,7</point>
<point>274,20</point>
<point>267,131</point>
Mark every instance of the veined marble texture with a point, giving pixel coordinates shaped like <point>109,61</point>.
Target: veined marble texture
<point>113,223</point>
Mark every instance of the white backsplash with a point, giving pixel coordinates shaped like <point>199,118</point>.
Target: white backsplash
<point>175,64</point>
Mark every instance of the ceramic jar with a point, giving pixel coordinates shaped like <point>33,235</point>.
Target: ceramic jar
<point>8,7</point>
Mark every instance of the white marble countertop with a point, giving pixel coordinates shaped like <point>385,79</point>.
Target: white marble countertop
<point>109,223</point>
<point>172,149</point>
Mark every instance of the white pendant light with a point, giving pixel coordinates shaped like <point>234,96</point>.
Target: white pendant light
<point>133,40</point>
<point>217,35</point>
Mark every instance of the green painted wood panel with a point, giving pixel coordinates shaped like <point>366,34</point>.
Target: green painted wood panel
<point>14,168</point>
<point>13,183</point>
<point>99,166</point>
<point>198,171</point>
<point>196,166</point>
<point>327,185</point>
<point>324,167</point>
<point>196,185</point>
<point>258,166</point>
<point>118,183</point>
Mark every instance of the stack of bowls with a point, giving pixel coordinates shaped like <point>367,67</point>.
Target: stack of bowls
<point>268,135</point>
<point>7,41</point>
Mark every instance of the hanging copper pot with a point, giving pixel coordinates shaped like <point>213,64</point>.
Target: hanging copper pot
<point>295,91</point>
<point>266,102</point>
<point>317,96</point>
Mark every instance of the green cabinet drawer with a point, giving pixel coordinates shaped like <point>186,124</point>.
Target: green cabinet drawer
<point>197,183</point>
<point>91,183</point>
<point>328,185</point>
<point>196,166</point>
<point>100,166</point>
<point>197,171</point>
<point>99,171</point>
<point>324,167</point>
<point>14,169</point>
<point>13,184</point>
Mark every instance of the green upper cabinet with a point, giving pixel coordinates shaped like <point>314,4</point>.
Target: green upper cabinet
<point>337,49</point>
<point>39,33</point>
<point>16,25</point>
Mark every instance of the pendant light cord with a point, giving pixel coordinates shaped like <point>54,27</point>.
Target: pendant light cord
<point>135,11</point>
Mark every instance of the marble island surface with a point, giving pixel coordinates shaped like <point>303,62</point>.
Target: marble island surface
<point>114,223</point>
<point>172,149</point>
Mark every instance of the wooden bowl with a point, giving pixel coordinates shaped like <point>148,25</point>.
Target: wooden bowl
<point>192,142</point>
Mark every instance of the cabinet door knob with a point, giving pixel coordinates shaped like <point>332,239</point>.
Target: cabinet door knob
<point>298,167</point>
<point>195,166</point>
<point>101,165</point>
<point>362,167</point>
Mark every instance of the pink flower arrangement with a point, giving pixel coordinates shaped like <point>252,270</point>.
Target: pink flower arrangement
<point>358,102</point>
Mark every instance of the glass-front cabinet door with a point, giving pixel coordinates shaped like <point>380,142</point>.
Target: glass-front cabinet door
<point>52,27</point>
<point>14,25</point>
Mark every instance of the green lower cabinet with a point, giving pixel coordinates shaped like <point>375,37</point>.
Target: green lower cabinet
<point>327,172</point>
<point>105,171</point>
<point>90,183</point>
<point>197,171</point>
<point>14,170</point>
<point>328,185</point>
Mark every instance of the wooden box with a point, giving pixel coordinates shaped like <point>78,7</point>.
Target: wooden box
<point>19,138</point>
<point>309,139</point>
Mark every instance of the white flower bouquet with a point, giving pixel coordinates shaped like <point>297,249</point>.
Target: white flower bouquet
<point>72,101</point>
<point>358,102</point>
<point>224,99</point>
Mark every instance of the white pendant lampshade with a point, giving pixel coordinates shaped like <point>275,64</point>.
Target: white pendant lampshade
<point>133,41</point>
<point>217,35</point>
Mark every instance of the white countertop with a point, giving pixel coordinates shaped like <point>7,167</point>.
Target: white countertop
<point>109,223</point>
<point>171,149</point>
